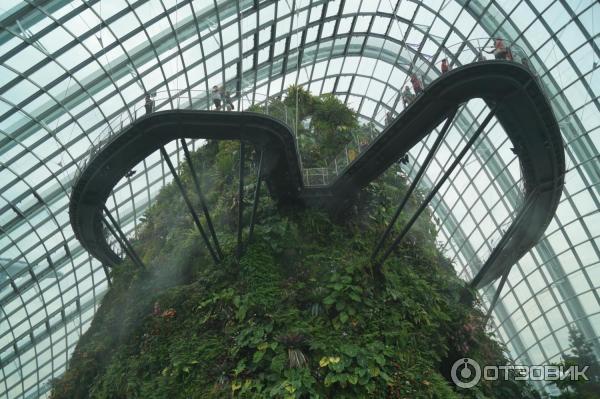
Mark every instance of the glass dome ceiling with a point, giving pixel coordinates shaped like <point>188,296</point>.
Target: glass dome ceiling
<point>68,68</point>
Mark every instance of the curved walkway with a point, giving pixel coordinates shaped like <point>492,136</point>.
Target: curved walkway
<point>521,108</point>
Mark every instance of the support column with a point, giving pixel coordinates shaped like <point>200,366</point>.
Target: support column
<point>437,187</point>
<point>241,200</point>
<point>116,231</point>
<point>414,183</point>
<point>189,204</point>
<point>256,196</point>
<point>196,181</point>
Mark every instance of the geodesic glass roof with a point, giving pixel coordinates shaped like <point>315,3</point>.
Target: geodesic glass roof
<point>69,69</point>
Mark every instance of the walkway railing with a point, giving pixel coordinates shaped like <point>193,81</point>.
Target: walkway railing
<point>424,73</point>
<point>189,99</point>
<point>420,74</point>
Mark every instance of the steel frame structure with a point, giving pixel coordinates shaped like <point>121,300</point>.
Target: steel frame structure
<point>54,101</point>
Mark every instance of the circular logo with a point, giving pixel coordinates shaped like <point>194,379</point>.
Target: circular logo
<point>465,373</point>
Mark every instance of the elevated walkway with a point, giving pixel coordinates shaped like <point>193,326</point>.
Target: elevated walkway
<point>521,108</point>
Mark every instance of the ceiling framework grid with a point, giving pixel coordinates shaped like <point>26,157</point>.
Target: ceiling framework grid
<point>57,96</point>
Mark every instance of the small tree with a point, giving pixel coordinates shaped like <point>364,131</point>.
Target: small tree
<point>296,95</point>
<point>582,356</point>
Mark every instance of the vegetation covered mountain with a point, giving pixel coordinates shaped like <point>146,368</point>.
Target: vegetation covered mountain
<point>302,314</point>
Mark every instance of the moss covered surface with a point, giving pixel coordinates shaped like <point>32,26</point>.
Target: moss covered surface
<point>301,314</point>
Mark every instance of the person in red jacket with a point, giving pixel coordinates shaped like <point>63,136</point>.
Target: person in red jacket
<point>500,51</point>
<point>416,84</point>
<point>445,67</point>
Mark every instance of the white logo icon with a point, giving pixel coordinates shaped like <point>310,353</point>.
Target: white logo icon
<point>465,373</point>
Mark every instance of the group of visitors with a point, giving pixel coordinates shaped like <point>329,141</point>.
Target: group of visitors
<point>222,99</point>
<point>220,96</point>
<point>500,51</point>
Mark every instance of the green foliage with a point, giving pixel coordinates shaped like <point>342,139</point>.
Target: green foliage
<point>582,356</point>
<point>325,124</point>
<point>302,314</point>
<point>304,100</point>
<point>333,124</point>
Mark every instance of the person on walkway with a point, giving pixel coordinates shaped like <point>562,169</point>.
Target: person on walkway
<point>363,143</point>
<point>148,104</point>
<point>227,102</point>
<point>407,96</point>
<point>445,67</point>
<point>509,54</point>
<point>500,52</point>
<point>416,84</point>
<point>389,118</point>
<point>403,159</point>
<point>216,96</point>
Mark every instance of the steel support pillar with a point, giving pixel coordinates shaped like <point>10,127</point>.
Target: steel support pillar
<point>196,181</point>
<point>437,187</point>
<point>256,197</point>
<point>497,293</point>
<point>414,183</point>
<point>121,238</point>
<point>240,245</point>
<point>189,204</point>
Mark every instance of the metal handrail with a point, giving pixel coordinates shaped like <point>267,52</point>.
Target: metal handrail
<point>324,175</point>
<point>327,174</point>
<point>189,99</point>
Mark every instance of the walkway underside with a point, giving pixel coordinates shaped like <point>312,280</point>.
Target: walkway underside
<point>521,108</point>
